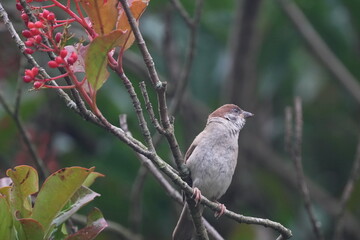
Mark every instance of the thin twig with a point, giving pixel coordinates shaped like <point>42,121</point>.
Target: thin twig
<point>348,189</point>
<point>135,212</point>
<point>160,88</point>
<point>266,157</point>
<point>240,86</point>
<point>18,92</point>
<point>184,78</point>
<point>297,157</point>
<point>320,49</point>
<point>77,99</point>
<point>150,109</point>
<point>114,227</point>
<point>135,199</point>
<point>183,13</point>
<point>288,129</point>
<point>43,173</point>
<point>163,182</point>
<point>4,17</point>
<point>169,49</point>
<point>139,112</point>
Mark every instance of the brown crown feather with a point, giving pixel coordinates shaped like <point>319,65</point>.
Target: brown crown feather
<point>221,111</point>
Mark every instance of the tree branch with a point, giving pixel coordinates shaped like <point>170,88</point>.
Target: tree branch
<point>297,158</point>
<point>184,77</point>
<point>160,88</point>
<point>26,138</point>
<point>348,189</point>
<point>183,13</point>
<point>319,48</point>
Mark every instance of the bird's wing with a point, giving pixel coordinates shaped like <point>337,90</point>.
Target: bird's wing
<point>193,146</point>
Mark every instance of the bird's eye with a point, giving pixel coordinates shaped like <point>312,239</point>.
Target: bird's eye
<point>235,110</point>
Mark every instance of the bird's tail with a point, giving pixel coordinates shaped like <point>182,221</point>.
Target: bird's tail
<point>184,229</point>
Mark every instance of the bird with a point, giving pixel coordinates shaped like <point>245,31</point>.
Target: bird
<point>211,159</point>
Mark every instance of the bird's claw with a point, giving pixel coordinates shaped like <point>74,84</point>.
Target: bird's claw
<point>222,210</point>
<point>196,195</point>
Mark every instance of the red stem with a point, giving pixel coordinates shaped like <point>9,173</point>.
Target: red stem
<point>62,87</point>
<point>77,18</point>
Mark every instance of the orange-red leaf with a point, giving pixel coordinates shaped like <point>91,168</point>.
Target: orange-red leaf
<point>137,8</point>
<point>102,13</point>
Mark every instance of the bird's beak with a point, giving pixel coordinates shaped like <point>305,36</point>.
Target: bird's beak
<point>247,114</point>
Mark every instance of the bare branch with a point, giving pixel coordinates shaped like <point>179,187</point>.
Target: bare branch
<point>184,78</point>
<point>135,199</point>
<point>139,112</point>
<point>243,48</point>
<point>149,109</point>
<point>169,189</point>
<point>297,157</point>
<point>77,98</point>
<point>288,129</point>
<point>320,49</point>
<point>18,92</point>
<point>160,88</point>
<point>349,187</point>
<point>183,13</point>
<point>43,173</point>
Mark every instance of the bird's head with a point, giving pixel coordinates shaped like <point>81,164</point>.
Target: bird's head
<point>233,114</point>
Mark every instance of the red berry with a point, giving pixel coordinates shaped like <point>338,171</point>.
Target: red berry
<point>19,7</point>
<point>24,17</point>
<point>63,53</point>
<point>39,24</point>
<point>45,13</point>
<point>59,60</point>
<point>31,25</point>
<point>29,51</point>
<point>26,33</point>
<point>38,39</point>
<point>27,79</point>
<point>53,64</point>
<point>37,84</point>
<point>29,73</point>
<point>70,61</point>
<point>58,37</point>
<point>34,31</point>
<point>51,16</point>
<point>35,71</point>
<point>74,56</point>
<point>29,43</point>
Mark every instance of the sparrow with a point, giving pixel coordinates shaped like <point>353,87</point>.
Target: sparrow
<point>211,159</point>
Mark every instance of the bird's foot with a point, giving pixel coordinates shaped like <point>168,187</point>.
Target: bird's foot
<point>196,195</point>
<point>222,210</point>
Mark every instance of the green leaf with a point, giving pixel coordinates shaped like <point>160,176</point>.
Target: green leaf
<point>5,219</point>
<point>96,57</point>
<point>25,182</point>
<point>5,191</point>
<point>56,192</point>
<point>91,178</point>
<point>79,199</point>
<point>95,224</point>
<point>32,229</point>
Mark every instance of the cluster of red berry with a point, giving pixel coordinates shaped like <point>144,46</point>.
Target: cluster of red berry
<point>35,33</point>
